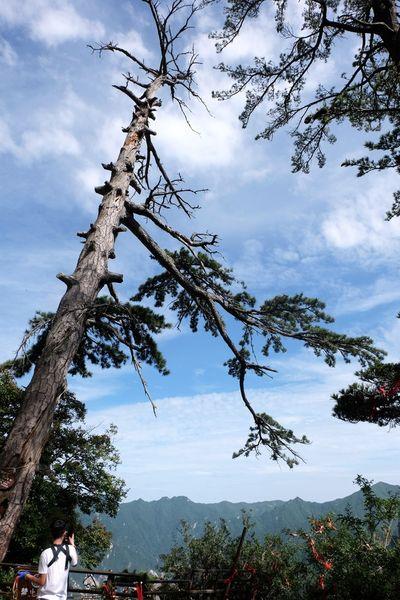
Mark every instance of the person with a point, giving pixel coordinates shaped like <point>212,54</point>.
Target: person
<point>54,564</point>
<point>108,588</point>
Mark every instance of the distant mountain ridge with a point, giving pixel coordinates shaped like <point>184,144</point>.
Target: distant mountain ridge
<point>144,530</point>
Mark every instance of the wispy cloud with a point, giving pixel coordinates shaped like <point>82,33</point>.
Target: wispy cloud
<point>196,435</point>
<point>323,234</point>
<point>356,220</point>
<point>8,55</point>
<point>381,292</point>
<point>50,132</point>
<point>220,142</point>
<point>51,22</point>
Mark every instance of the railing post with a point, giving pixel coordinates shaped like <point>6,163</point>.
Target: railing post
<point>234,564</point>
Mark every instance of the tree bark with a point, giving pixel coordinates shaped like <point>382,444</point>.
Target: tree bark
<point>385,12</point>
<point>21,454</point>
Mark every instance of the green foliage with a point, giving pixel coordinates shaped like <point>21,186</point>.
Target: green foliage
<point>111,330</point>
<point>366,93</point>
<point>271,568</point>
<point>362,554</point>
<point>389,145</point>
<point>291,317</point>
<point>339,557</point>
<point>75,476</point>
<point>196,287</point>
<point>269,432</point>
<point>94,542</point>
<point>298,317</point>
<point>207,553</point>
<point>278,319</point>
<point>380,514</point>
<point>6,580</point>
<point>202,270</point>
<point>375,400</point>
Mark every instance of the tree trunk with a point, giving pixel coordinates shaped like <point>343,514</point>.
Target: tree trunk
<point>23,448</point>
<point>385,12</point>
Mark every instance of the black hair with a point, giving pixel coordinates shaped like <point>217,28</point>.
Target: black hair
<point>58,528</point>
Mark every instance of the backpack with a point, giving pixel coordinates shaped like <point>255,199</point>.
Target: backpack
<point>57,549</point>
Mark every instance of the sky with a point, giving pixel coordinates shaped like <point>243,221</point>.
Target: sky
<point>323,234</point>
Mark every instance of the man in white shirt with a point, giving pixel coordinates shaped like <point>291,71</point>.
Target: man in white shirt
<point>54,563</point>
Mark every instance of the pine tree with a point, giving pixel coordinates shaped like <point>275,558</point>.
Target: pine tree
<point>366,95</point>
<point>107,331</point>
<point>374,399</point>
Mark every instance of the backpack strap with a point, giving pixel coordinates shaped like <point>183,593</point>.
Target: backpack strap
<point>68,558</point>
<point>57,549</point>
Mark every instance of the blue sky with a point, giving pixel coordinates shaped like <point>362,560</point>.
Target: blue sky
<point>322,233</point>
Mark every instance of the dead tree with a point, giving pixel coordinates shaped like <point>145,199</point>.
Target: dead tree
<point>139,169</point>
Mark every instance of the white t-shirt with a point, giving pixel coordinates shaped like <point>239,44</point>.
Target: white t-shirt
<point>57,575</point>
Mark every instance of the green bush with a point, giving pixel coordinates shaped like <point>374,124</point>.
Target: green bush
<point>340,557</point>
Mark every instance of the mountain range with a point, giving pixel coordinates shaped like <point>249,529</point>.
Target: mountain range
<point>144,530</point>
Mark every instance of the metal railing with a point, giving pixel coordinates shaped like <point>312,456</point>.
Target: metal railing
<point>124,584</point>
<point>131,585</point>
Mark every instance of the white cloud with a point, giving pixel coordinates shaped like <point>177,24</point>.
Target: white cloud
<point>356,221</point>
<point>50,21</point>
<point>8,55</point>
<point>51,132</point>
<point>28,283</point>
<point>321,73</point>
<point>263,268</point>
<point>217,143</point>
<point>47,142</point>
<point>132,41</point>
<point>94,392</point>
<point>387,336</point>
<point>110,137</point>
<point>197,434</point>
<point>7,143</point>
<point>257,38</point>
<point>383,291</point>
<point>342,230</point>
<point>251,265</point>
<point>87,179</point>
<point>221,141</point>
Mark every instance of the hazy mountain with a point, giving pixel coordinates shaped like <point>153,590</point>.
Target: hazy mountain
<point>144,530</point>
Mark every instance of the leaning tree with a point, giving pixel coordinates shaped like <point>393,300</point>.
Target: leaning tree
<point>75,477</point>
<point>87,327</point>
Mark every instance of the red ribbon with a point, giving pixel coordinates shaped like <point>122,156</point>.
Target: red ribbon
<point>386,393</point>
<point>231,577</point>
<point>325,563</point>
<point>322,586</point>
<point>108,591</point>
<point>394,389</point>
<point>391,391</point>
<point>139,591</point>
<point>249,569</point>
